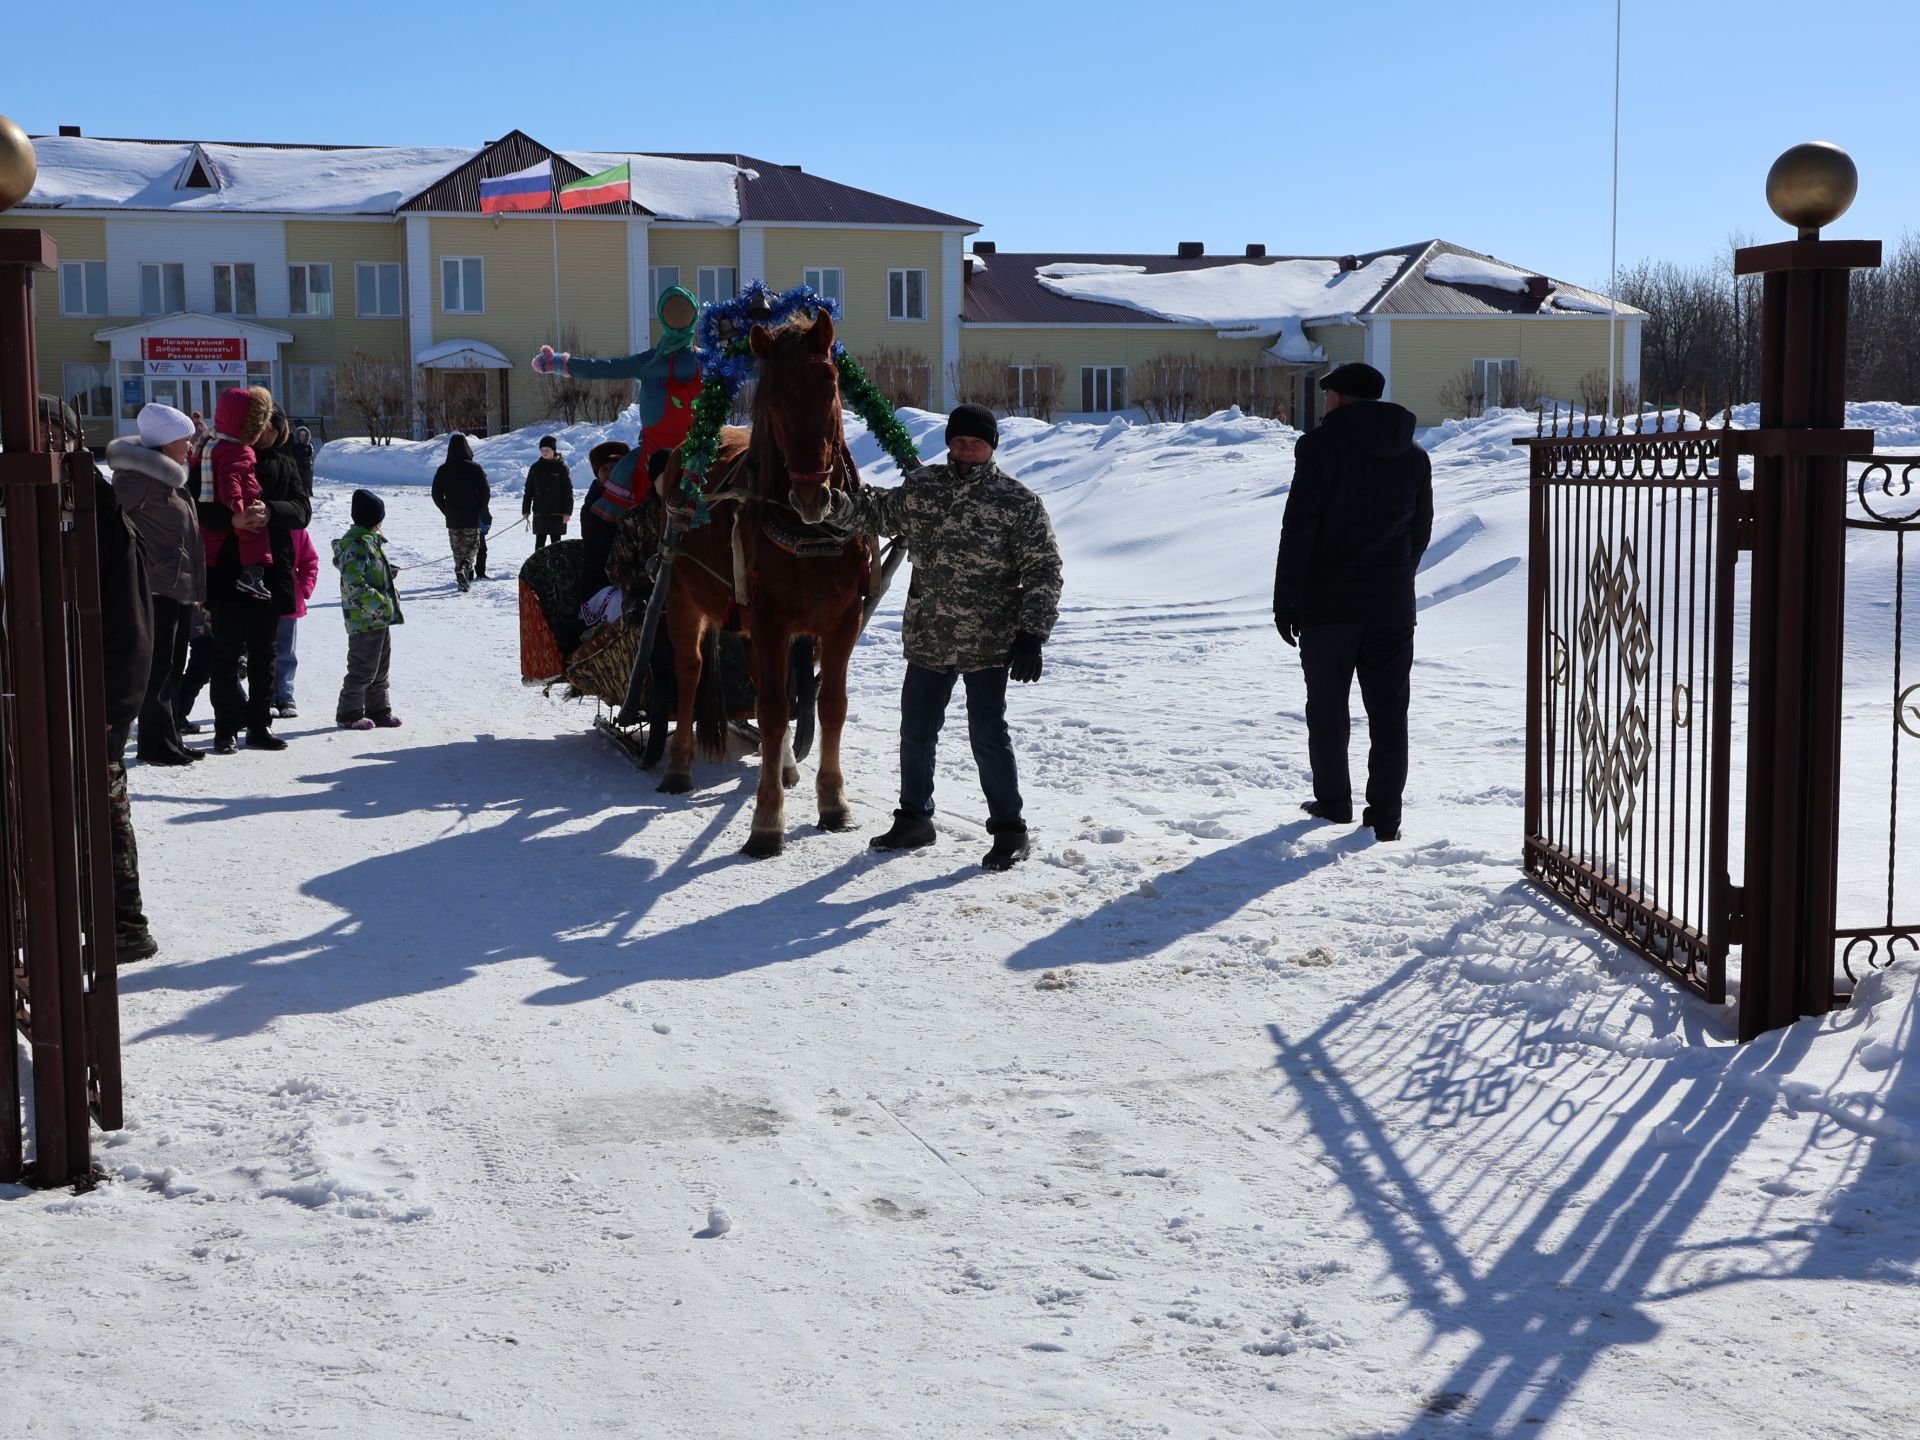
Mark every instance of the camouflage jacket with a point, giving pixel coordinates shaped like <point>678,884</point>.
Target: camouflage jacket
<point>369,600</point>
<point>985,564</point>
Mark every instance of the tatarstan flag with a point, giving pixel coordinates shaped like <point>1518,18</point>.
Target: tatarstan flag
<point>604,188</point>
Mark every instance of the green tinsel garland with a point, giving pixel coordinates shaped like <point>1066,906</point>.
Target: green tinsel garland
<point>702,445</point>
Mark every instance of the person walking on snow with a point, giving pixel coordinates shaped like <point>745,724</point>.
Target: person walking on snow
<point>984,599</point>
<point>1357,521</point>
<point>370,604</point>
<point>548,501</point>
<point>460,490</point>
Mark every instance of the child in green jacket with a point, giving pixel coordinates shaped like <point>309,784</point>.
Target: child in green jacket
<point>371,605</point>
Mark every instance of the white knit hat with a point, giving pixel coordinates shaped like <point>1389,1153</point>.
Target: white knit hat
<point>162,425</point>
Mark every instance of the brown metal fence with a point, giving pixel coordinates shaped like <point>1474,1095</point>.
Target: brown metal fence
<point>1630,664</point>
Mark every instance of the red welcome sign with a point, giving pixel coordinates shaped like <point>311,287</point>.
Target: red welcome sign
<point>192,348</point>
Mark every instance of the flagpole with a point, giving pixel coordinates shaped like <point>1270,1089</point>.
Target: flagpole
<point>554,220</point>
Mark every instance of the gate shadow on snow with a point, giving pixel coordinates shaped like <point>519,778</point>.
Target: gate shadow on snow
<point>535,879</point>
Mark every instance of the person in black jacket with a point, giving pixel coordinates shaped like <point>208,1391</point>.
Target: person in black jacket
<point>548,500</point>
<point>460,490</point>
<point>1358,519</point>
<point>300,446</point>
<point>242,625</point>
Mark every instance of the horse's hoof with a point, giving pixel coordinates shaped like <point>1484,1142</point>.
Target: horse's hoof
<point>790,776</point>
<point>837,820</point>
<point>675,784</point>
<point>763,844</point>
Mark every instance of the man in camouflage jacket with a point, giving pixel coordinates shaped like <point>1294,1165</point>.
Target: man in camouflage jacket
<point>984,599</point>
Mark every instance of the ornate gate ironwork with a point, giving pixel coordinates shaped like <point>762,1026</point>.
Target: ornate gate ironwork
<point>1629,687</point>
<point>1886,494</point>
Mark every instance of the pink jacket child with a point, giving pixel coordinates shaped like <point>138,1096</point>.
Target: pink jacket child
<point>306,573</point>
<point>241,417</point>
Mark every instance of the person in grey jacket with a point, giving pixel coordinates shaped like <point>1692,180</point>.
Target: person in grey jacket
<point>984,599</point>
<point>149,479</point>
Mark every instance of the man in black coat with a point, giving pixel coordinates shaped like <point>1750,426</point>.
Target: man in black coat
<point>1358,519</point>
<point>246,626</point>
<point>548,500</point>
<point>460,491</point>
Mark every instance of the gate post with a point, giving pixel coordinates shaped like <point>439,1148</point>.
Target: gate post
<point>1798,594</point>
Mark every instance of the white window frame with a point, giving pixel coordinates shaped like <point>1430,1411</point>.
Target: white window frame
<point>312,374</point>
<point>707,286</point>
<point>309,269</point>
<point>359,290</point>
<point>461,262</point>
<point>906,295</point>
<point>814,277</point>
<point>1096,383</point>
<point>160,269</point>
<point>660,279</point>
<point>1026,384</point>
<point>1483,386</point>
<point>76,388</point>
<point>93,296</point>
<point>234,267</point>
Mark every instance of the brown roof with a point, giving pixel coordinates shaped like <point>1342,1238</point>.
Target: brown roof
<point>786,192</point>
<point>458,190</point>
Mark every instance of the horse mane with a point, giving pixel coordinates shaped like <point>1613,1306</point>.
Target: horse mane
<point>792,345</point>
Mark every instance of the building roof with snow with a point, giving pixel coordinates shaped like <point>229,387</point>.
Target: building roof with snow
<point>78,173</point>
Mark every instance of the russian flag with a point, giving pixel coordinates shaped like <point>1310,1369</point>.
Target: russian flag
<point>528,189</point>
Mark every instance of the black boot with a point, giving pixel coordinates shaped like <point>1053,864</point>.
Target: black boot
<point>261,738</point>
<point>1333,814</point>
<point>1383,828</point>
<point>911,831</point>
<point>1009,848</point>
<point>133,943</point>
<point>223,743</point>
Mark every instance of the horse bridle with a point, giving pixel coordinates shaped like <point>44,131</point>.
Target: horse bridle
<point>820,477</point>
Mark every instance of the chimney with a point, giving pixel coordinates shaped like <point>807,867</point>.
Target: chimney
<point>1256,252</point>
<point>983,247</point>
<point>1539,287</point>
<point>1349,262</point>
<point>795,168</point>
<point>70,130</point>
<point>1192,249</point>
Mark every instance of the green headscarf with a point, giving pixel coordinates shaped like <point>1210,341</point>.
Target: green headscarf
<point>673,341</point>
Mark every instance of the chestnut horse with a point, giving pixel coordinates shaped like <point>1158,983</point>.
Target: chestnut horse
<point>802,581</point>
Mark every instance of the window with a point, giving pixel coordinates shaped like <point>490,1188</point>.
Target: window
<point>906,294</point>
<point>163,289</point>
<point>828,282</point>
<point>89,388</point>
<point>1034,387</point>
<point>310,388</point>
<point>310,291</point>
<point>463,289</point>
<point>233,290</point>
<point>1103,388</point>
<point>1494,383</point>
<point>718,284</point>
<point>377,290</point>
<point>660,279</point>
<point>83,287</point>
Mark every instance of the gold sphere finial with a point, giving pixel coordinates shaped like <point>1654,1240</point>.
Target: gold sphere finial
<point>17,165</point>
<point>1812,185</point>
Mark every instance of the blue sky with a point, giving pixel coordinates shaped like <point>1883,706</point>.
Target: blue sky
<point>1313,128</point>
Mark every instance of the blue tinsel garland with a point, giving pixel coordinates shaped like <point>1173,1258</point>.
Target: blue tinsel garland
<point>730,320</point>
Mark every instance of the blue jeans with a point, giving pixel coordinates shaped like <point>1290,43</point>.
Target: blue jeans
<point>923,709</point>
<point>285,663</point>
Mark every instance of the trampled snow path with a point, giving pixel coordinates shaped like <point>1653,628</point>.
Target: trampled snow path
<point>1206,1122</point>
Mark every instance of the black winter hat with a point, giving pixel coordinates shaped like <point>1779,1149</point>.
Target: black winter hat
<point>603,452</point>
<point>1355,381</point>
<point>973,420</point>
<point>547,442</point>
<point>368,509</point>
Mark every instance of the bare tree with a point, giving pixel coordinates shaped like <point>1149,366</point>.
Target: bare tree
<point>902,376</point>
<point>377,391</point>
<point>984,380</point>
<point>1033,389</point>
<point>1468,394</point>
<point>448,400</point>
<point>571,399</point>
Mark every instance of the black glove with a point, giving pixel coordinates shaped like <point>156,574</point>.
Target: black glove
<point>1024,665</point>
<point>1288,627</point>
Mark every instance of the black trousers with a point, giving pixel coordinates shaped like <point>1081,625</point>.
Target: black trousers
<point>547,529</point>
<point>923,710</point>
<point>250,629</point>
<point>159,726</point>
<point>1382,656</point>
<point>199,669</point>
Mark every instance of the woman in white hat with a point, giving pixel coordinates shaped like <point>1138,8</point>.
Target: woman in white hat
<point>149,473</point>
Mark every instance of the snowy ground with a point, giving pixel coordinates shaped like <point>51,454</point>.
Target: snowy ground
<point>1207,1122</point>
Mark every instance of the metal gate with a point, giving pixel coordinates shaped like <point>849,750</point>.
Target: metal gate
<point>1630,570</point>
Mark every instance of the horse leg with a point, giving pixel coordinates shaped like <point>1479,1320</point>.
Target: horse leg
<point>686,625</point>
<point>836,650</point>
<point>770,695</point>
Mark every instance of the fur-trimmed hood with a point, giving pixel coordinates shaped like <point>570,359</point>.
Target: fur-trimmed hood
<point>241,415</point>
<point>127,453</point>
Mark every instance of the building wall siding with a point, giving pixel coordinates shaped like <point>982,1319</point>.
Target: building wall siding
<point>63,340</point>
<point>866,256</point>
<point>330,341</point>
<point>1343,343</point>
<point>1429,354</point>
<point>1069,350</point>
<point>688,247</point>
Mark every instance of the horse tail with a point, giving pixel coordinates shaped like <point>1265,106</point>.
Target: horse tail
<point>709,703</point>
